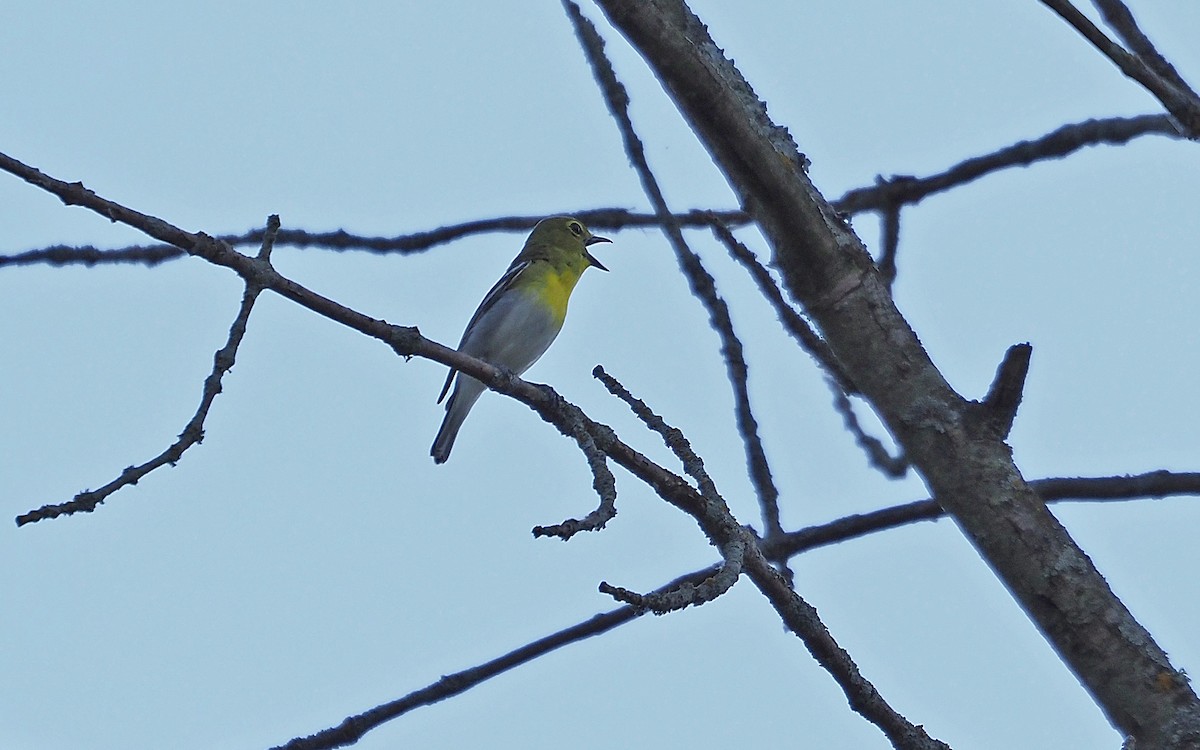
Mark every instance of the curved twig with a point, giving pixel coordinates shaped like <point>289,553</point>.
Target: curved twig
<point>193,433</point>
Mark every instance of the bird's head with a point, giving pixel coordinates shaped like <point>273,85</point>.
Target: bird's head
<point>565,233</point>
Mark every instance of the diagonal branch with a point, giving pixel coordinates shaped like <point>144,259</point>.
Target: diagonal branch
<point>970,471</point>
<point>1120,19</point>
<point>742,553</point>
<point>838,381</point>
<point>892,467</point>
<point>259,274</point>
<point>352,729</point>
<point>1182,103</point>
<point>702,284</point>
<point>672,437</point>
<point>793,322</point>
<point>1153,484</point>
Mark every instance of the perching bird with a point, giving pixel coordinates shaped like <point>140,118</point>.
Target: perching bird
<point>521,315</point>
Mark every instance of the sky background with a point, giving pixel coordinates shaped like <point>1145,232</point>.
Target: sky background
<point>308,560</point>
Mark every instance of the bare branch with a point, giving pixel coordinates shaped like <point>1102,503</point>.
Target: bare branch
<point>890,244</point>
<point>839,383</point>
<point>802,619</point>
<point>341,240</point>
<point>793,322</point>
<point>1004,396</point>
<point>687,594</point>
<point>269,238</point>
<point>193,433</point>
<point>702,284</point>
<point>603,482</point>
<point>353,728</point>
<point>1182,103</point>
<point>1156,484</point>
<point>894,467</point>
<point>1153,484</point>
<point>1057,144</point>
<point>826,268</point>
<point>722,530</point>
<point>1120,19</point>
<point>405,341</point>
<point>895,191</point>
<point>88,255</point>
<point>673,437</point>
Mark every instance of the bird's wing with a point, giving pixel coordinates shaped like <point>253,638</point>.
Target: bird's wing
<point>493,294</point>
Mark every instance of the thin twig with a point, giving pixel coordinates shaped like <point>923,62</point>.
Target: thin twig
<point>687,594</point>
<point>894,467</point>
<point>193,433</point>
<point>341,240</point>
<point>1152,484</point>
<point>793,322</point>
<point>603,482</point>
<point>673,437</point>
<point>702,284</point>
<point>890,244</point>
<point>405,341</point>
<point>1057,144</point>
<point>898,190</point>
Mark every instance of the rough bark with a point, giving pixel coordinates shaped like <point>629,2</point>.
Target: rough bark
<point>957,445</point>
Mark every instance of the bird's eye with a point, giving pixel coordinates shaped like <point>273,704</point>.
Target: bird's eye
<point>576,229</point>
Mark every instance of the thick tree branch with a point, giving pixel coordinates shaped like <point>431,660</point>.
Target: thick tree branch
<point>970,472</point>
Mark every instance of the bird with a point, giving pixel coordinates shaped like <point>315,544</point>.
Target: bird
<point>520,316</point>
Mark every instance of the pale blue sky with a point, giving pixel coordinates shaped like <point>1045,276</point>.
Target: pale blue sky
<point>309,561</point>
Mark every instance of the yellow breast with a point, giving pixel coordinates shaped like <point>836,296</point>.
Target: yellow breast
<point>553,287</point>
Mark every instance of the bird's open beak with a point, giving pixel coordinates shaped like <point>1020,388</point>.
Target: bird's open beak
<point>592,241</point>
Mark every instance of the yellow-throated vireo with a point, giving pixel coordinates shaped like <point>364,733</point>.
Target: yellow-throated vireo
<point>521,315</point>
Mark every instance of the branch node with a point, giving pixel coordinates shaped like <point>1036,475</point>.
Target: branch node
<point>1004,395</point>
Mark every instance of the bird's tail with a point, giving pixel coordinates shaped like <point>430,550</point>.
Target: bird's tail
<point>466,393</point>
